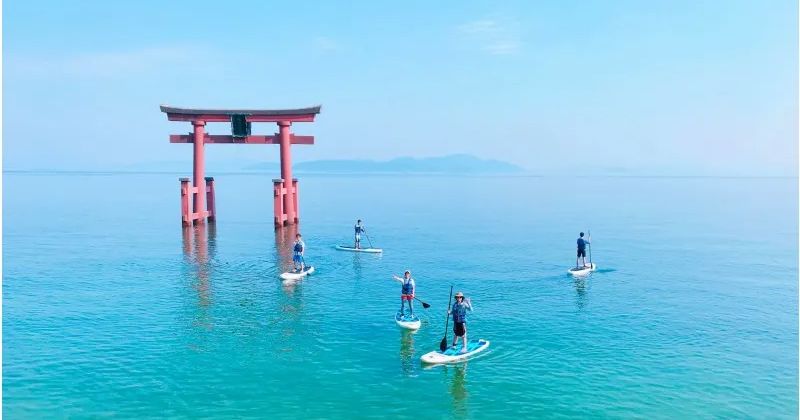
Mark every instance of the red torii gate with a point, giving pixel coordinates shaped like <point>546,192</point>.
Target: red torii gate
<point>201,192</point>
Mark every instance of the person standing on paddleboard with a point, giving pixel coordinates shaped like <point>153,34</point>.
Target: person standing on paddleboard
<point>459,311</point>
<point>299,252</point>
<point>359,230</point>
<point>582,250</point>
<point>407,292</point>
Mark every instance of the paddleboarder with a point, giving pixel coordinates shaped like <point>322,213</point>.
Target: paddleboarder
<point>582,250</point>
<point>299,251</point>
<point>459,312</point>
<point>407,292</point>
<point>359,228</point>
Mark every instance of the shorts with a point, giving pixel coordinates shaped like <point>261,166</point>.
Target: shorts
<point>297,258</point>
<point>407,297</point>
<point>459,329</point>
<point>581,253</point>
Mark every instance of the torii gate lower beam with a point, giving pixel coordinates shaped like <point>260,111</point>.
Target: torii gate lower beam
<point>201,193</point>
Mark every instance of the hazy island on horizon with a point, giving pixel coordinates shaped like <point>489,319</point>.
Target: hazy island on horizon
<point>450,164</point>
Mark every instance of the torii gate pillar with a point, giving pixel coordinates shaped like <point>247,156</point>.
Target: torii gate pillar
<point>289,183</point>
<point>199,134</point>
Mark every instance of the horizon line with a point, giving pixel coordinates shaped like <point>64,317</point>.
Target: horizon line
<point>524,174</point>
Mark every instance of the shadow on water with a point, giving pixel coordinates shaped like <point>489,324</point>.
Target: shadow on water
<point>199,249</point>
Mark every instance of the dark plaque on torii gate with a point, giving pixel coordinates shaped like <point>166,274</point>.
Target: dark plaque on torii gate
<point>196,207</point>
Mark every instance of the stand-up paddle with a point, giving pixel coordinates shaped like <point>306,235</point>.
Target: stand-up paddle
<point>368,239</point>
<point>424,305</point>
<point>590,246</point>
<point>443,344</point>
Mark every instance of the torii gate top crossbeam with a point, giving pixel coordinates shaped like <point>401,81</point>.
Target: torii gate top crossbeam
<point>251,115</point>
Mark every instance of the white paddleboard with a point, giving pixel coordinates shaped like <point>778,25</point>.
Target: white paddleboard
<point>295,275</point>
<point>407,322</point>
<point>353,249</point>
<point>582,271</point>
<point>453,355</point>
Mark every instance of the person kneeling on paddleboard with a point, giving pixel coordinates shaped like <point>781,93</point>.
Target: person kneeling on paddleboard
<point>582,250</point>
<point>299,251</point>
<point>359,230</point>
<point>407,292</point>
<point>459,311</point>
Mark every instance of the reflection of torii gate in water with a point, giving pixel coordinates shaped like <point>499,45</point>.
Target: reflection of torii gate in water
<point>197,200</point>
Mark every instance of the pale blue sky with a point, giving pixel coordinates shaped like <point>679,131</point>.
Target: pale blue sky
<point>652,86</point>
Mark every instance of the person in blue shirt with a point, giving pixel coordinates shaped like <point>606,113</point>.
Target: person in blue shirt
<point>359,228</point>
<point>407,292</point>
<point>582,250</point>
<point>299,251</point>
<point>459,312</point>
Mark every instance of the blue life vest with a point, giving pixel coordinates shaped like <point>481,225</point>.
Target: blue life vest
<point>359,229</point>
<point>298,247</point>
<point>459,313</point>
<point>407,289</point>
<point>581,244</point>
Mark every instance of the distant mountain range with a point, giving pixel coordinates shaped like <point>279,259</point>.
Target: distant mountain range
<point>452,164</point>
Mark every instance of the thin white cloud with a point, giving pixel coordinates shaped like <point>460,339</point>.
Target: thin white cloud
<point>325,44</point>
<point>496,36</point>
<point>107,63</point>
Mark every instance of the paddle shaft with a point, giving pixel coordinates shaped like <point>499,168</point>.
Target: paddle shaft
<point>443,344</point>
<point>590,246</point>
<point>368,239</point>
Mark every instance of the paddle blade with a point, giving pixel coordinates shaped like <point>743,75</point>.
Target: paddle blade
<point>425,305</point>
<point>443,344</point>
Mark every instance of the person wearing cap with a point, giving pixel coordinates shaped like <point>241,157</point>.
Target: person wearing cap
<point>459,311</point>
<point>582,250</point>
<point>359,228</point>
<point>407,292</point>
<point>299,249</point>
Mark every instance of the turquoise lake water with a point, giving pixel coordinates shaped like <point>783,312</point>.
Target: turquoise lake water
<point>111,308</point>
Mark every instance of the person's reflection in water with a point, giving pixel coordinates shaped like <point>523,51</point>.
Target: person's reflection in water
<point>290,316</point>
<point>407,361</point>
<point>357,274</point>
<point>580,293</point>
<point>458,389</point>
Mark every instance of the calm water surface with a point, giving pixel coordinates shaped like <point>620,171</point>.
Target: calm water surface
<point>111,308</point>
